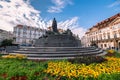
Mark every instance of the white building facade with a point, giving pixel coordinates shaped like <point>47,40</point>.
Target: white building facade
<point>26,34</point>
<point>105,34</point>
<point>5,35</point>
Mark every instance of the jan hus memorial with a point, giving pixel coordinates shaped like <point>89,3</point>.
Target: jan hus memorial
<point>56,39</point>
<point>56,45</point>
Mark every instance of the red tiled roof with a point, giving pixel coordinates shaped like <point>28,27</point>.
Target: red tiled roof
<point>107,20</point>
<point>19,25</point>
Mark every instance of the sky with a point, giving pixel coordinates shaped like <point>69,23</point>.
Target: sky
<point>77,15</point>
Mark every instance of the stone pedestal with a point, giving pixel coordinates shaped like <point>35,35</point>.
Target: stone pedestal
<point>58,40</point>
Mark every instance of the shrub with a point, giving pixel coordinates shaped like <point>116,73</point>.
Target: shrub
<point>0,54</point>
<point>87,59</point>
<point>117,54</point>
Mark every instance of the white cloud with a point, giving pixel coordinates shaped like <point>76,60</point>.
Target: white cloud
<point>71,24</point>
<point>80,31</point>
<point>116,3</point>
<point>13,12</point>
<point>58,5</point>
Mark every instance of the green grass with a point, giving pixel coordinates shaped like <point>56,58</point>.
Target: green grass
<point>14,67</point>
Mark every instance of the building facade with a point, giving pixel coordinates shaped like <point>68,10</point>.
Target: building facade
<point>5,35</point>
<point>105,34</point>
<point>26,34</point>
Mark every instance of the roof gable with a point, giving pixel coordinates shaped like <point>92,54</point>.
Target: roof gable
<point>115,21</point>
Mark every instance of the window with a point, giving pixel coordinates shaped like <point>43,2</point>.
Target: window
<point>108,36</point>
<point>104,36</point>
<point>100,37</point>
<point>15,32</point>
<point>24,29</point>
<point>18,33</point>
<point>101,45</point>
<point>30,32</point>
<point>115,35</point>
<point>105,45</point>
<point>15,29</point>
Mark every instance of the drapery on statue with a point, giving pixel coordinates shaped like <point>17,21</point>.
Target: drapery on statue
<point>54,26</point>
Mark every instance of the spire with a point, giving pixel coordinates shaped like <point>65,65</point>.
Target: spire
<point>54,25</point>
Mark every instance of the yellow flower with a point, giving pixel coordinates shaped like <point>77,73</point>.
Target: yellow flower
<point>18,56</point>
<point>111,51</point>
<point>75,70</point>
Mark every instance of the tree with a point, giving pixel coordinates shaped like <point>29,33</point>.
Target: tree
<point>6,42</point>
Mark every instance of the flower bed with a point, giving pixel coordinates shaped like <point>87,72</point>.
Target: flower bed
<point>69,70</point>
<point>15,56</point>
<point>18,69</point>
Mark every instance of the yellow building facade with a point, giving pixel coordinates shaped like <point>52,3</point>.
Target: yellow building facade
<point>105,34</point>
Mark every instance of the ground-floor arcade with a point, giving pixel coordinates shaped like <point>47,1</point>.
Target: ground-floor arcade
<point>109,44</point>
